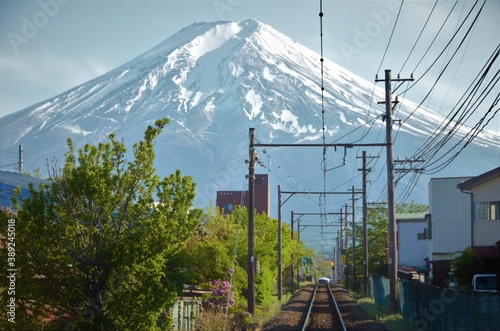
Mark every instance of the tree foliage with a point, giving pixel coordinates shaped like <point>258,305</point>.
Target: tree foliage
<point>465,266</point>
<point>377,228</point>
<point>94,245</point>
<point>222,244</point>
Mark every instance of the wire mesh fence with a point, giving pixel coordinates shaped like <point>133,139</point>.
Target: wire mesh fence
<point>428,307</point>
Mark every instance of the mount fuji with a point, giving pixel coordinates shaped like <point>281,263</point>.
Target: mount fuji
<point>216,80</point>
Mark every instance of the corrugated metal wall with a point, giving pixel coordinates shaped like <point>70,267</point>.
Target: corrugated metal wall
<point>451,217</point>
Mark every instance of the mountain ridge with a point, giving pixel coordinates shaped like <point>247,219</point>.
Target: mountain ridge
<point>214,81</point>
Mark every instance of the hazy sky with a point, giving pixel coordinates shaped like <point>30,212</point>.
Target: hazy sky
<point>50,46</point>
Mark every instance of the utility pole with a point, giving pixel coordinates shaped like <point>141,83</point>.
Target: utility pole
<point>341,245</point>
<point>393,251</point>
<point>365,171</point>
<point>20,162</point>
<point>253,145</point>
<point>279,243</point>
<point>251,201</point>
<point>292,221</point>
<point>346,255</point>
<point>293,264</point>
<point>354,280</point>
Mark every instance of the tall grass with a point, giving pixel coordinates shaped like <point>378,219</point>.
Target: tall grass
<point>392,321</point>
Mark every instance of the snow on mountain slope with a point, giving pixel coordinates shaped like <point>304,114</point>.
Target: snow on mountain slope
<point>214,81</point>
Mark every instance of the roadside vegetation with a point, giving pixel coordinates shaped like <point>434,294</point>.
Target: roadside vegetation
<point>111,245</point>
<point>392,321</point>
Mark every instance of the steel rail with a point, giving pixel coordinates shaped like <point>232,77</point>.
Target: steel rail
<point>336,315</point>
<point>337,311</point>
<point>313,296</point>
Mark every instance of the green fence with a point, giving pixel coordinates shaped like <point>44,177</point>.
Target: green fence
<point>428,307</point>
<point>184,313</point>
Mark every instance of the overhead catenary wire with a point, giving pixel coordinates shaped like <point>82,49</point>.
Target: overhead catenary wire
<point>322,199</point>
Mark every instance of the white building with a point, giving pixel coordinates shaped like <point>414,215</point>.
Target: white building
<point>449,229</point>
<point>412,239</point>
<point>484,194</point>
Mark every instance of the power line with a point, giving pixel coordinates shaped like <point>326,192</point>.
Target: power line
<point>390,38</point>
<point>418,38</point>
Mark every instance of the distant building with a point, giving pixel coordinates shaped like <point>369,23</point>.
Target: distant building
<point>228,200</point>
<point>412,239</point>
<point>9,181</point>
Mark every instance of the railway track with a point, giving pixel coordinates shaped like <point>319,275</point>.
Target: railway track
<point>323,315</point>
<point>323,312</point>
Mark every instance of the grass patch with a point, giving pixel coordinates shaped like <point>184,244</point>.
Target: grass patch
<point>392,321</point>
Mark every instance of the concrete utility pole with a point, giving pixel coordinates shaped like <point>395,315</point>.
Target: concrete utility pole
<point>346,255</point>
<point>251,166</point>
<point>292,221</point>
<point>293,265</point>
<point>365,230</point>
<point>20,162</point>
<point>393,251</point>
<point>365,171</point>
<point>279,243</point>
<point>251,202</point>
<point>354,279</point>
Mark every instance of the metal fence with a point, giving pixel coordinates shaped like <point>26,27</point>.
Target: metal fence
<point>428,307</point>
<point>184,313</point>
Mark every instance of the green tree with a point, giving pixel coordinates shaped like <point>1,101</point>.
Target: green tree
<point>94,245</point>
<point>221,244</point>
<point>377,221</point>
<point>465,266</point>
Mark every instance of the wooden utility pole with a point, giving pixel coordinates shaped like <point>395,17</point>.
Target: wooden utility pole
<point>393,251</point>
<point>251,202</point>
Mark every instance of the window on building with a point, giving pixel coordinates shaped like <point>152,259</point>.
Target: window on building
<point>495,210</point>
<point>228,207</point>
<point>487,211</point>
<point>422,236</point>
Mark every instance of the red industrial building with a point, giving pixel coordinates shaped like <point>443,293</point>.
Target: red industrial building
<point>227,200</point>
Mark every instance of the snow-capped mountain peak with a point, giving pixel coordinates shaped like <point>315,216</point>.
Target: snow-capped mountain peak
<point>214,81</point>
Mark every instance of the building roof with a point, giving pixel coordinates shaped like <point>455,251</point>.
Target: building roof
<point>9,181</point>
<point>468,184</point>
<point>417,217</point>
